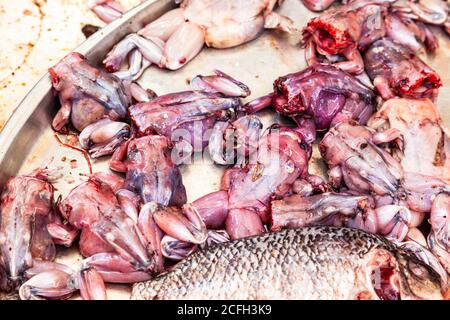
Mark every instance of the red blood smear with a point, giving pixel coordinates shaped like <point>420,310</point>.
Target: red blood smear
<point>384,289</point>
<point>54,76</point>
<point>110,68</point>
<point>85,154</point>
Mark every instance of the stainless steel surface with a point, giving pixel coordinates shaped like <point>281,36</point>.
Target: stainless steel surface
<point>27,141</point>
<point>38,107</point>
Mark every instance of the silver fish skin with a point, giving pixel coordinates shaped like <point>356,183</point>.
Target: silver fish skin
<point>305,263</point>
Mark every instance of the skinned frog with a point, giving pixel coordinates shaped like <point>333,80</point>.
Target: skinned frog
<point>178,36</point>
<point>241,206</point>
<point>317,98</point>
<point>108,221</point>
<point>93,102</point>
<point>187,117</point>
<point>415,135</point>
<point>360,165</point>
<point>396,71</point>
<point>29,226</point>
<point>434,12</point>
<point>150,171</point>
<point>339,35</point>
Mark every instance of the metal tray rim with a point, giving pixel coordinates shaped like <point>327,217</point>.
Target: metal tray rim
<point>92,48</point>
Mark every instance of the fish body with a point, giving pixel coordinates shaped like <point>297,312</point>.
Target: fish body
<point>306,263</point>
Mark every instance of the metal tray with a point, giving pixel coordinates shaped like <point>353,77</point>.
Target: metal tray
<point>27,141</point>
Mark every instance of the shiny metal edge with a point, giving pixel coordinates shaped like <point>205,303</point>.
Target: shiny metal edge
<point>36,110</point>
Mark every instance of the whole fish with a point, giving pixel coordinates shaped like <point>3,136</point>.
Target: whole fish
<point>306,263</point>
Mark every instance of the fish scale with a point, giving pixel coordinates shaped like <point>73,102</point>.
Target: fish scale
<point>306,263</point>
